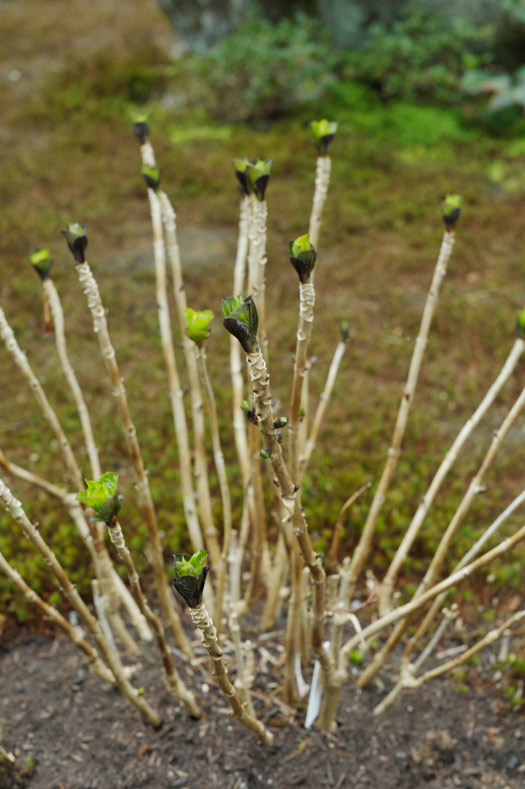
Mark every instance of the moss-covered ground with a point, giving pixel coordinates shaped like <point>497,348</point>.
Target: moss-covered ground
<point>70,75</point>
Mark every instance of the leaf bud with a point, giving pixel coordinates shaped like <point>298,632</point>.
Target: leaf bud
<point>41,261</point>
<point>77,242</point>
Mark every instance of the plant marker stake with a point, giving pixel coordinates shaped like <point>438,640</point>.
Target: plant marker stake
<point>316,694</point>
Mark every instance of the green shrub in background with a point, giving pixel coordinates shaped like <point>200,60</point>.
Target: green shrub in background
<point>263,70</point>
<point>421,56</point>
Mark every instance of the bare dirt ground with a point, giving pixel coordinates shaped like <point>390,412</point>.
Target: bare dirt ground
<point>65,730</point>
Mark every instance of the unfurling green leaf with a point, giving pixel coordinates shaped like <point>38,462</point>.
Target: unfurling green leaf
<point>77,242</point>
<point>302,257</point>
<point>198,329</point>
<point>151,175</point>
<point>241,171</point>
<point>242,321</point>
<point>451,208</point>
<point>101,496</point>
<point>41,260</point>
<point>323,133</point>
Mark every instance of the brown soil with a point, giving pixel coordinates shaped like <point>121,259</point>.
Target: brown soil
<point>67,730</point>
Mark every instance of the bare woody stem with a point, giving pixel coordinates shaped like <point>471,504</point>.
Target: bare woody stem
<point>197,405</point>
<point>14,507</point>
<point>446,464</point>
<point>257,261</point>
<point>100,328</point>
<point>95,663</point>
<point>223,479</point>
<point>175,683</point>
<point>60,339</point>
<point>365,542</point>
<point>322,182</point>
<point>6,333</point>
<point>321,408</point>
<point>293,513</point>
<point>202,620</point>
<point>304,331</point>
<point>175,389</point>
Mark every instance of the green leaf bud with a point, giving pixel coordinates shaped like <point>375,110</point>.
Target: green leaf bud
<point>141,129</point>
<point>280,423</point>
<point>451,208</point>
<point>258,173</point>
<point>302,257</point>
<point>151,175</point>
<point>190,576</point>
<point>323,133</point>
<point>265,454</point>
<point>77,242</point>
<point>520,324</point>
<point>197,328</point>
<point>344,329</point>
<point>101,496</point>
<point>242,321</point>
<point>241,171</point>
<point>41,261</point>
<point>249,412</point>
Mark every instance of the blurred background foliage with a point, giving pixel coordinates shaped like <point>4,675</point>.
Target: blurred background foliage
<point>428,97</point>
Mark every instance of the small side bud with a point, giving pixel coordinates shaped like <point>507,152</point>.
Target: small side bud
<point>249,412</point>
<point>151,175</point>
<point>265,454</point>
<point>520,324</point>
<point>76,237</point>
<point>41,261</point>
<point>323,133</point>
<point>451,208</point>
<point>302,257</point>
<point>279,436</point>
<point>281,422</point>
<point>344,329</point>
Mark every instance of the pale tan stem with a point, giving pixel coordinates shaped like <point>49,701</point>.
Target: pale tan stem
<point>202,620</point>
<point>197,405</point>
<point>414,605</point>
<point>293,514</point>
<point>6,333</point>
<point>236,365</point>
<point>223,480</point>
<point>100,328</point>
<point>274,584</point>
<point>338,528</point>
<point>95,663</point>
<point>321,408</point>
<point>446,464</point>
<point>304,331</point>
<point>60,339</point>
<point>175,389</point>
<point>365,542</point>
<point>257,261</point>
<point>489,638</point>
<point>292,629</point>
<point>14,507</point>
<point>322,182</point>
<point>175,683</point>
<point>468,557</point>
